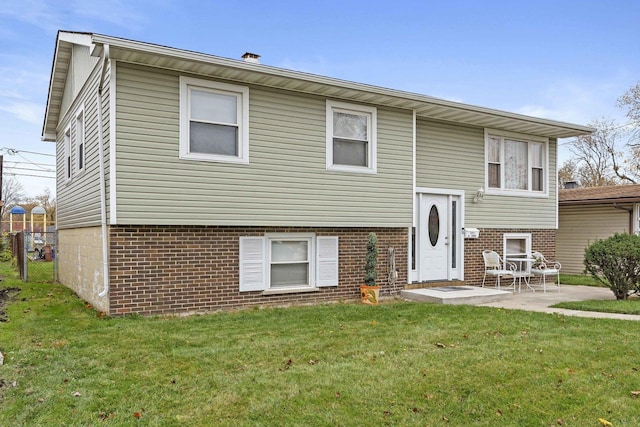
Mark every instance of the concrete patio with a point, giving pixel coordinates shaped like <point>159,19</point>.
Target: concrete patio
<point>526,300</point>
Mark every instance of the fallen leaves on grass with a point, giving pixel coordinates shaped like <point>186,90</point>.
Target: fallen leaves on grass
<point>605,422</point>
<point>287,365</point>
<point>104,416</point>
<point>635,393</point>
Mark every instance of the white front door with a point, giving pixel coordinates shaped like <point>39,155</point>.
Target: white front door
<point>438,237</point>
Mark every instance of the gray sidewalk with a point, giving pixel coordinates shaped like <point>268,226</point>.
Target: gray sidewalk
<point>539,301</point>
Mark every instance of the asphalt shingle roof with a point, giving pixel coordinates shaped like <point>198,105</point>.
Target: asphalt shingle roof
<point>600,195</point>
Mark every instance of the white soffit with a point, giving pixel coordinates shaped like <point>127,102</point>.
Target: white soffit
<point>257,74</point>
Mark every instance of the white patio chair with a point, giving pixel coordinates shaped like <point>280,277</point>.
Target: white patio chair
<point>543,267</point>
<point>495,266</point>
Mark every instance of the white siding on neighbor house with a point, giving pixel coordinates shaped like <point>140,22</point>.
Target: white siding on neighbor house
<point>452,157</point>
<point>78,199</point>
<point>286,181</point>
<point>579,226</point>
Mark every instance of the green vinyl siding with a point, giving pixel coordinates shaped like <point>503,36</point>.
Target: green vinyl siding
<point>579,226</point>
<point>452,157</point>
<point>78,200</point>
<point>80,67</point>
<point>286,181</point>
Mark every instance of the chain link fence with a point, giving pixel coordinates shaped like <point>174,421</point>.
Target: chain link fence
<point>35,253</point>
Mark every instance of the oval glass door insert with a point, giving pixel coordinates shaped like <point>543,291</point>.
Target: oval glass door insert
<point>434,225</point>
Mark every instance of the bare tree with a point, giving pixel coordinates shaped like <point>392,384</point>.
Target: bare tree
<point>596,155</point>
<point>47,202</point>
<point>13,193</point>
<point>568,172</point>
<point>630,101</point>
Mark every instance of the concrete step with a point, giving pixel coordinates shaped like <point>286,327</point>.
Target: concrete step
<point>456,295</point>
<point>434,284</point>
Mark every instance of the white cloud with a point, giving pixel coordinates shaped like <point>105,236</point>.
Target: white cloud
<point>577,102</point>
<point>116,12</point>
<point>41,13</point>
<point>52,15</point>
<point>29,112</point>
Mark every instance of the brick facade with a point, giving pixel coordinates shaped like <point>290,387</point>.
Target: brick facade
<point>543,241</point>
<point>185,269</point>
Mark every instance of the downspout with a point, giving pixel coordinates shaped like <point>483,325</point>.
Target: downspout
<point>630,210</point>
<point>103,189</point>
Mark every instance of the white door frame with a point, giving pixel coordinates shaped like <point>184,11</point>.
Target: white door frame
<point>458,234</point>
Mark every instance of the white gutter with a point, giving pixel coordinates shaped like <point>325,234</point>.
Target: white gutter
<point>103,190</point>
<point>394,98</point>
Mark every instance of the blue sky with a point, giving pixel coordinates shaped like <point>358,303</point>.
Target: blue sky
<point>563,60</point>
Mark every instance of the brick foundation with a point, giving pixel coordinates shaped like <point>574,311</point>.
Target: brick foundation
<point>543,241</point>
<point>184,269</point>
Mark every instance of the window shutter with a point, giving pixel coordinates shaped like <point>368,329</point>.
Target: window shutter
<point>327,261</point>
<point>252,264</point>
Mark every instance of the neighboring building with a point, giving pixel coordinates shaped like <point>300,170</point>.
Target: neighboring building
<point>589,214</point>
<point>189,182</point>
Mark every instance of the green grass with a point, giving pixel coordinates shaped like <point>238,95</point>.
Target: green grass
<point>630,306</point>
<point>398,363</point>
<point>579,279</point>
<point>40,271</point>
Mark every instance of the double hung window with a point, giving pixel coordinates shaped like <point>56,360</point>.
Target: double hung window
<point>288,262</point>
<point>517,247</point>
<point>80,145</point>
<point>67,154</point>
<point>351,137</point>
<point>516,164</point>
<point>214,121</point>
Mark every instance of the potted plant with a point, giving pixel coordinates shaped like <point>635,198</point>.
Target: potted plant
<point>369,292</point>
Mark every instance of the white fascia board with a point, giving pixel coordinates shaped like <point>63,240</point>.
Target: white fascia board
<point>418,99</point>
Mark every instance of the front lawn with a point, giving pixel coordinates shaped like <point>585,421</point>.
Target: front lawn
<point>630,306</point>
<point>398,363</point>
<point>579,279</point>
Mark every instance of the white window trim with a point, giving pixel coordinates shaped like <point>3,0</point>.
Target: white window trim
<point>255,262</point>
<point>311,254</point>
<point>68,163</point>
<point>372,126</point>
<point>80,117</point>
<point>636,219</point>
<point>241,92</point>
<point>502,135</point>
<point>508,236</point>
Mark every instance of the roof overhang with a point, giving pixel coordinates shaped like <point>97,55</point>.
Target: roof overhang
<point>601,201</point>
<point>59,70</point>
<point>185,61</point>
<point>605,195</point>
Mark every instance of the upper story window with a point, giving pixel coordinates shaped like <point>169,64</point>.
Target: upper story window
<point>351,137</point>
<point>67,153</point>
<point>214,121</point>
<point>80,144</point>
<point>516,164</point>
